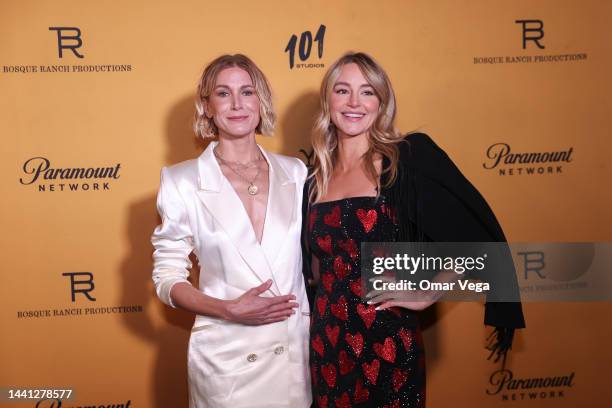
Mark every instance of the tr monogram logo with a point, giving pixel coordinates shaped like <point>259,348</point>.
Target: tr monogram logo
<point>533,262</point>
<point>81,282</point>
<point>68,38</point>
<point>533,30</point>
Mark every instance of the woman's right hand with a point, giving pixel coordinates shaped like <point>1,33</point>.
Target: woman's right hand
<point>253,310</point>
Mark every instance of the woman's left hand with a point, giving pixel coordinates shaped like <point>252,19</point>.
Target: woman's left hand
<point>408,299</point>
<point>414,300</point>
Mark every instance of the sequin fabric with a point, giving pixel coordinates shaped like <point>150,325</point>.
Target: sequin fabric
<point>359,357</point>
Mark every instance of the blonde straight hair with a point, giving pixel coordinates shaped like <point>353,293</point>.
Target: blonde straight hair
<point>205,127</point>
<point>383,137</point>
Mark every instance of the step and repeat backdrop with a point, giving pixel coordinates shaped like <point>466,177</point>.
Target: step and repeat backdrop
<point>97,96</point>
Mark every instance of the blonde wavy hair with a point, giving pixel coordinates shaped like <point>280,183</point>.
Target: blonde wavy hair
<point>383,137</point>
<point>205,127</point>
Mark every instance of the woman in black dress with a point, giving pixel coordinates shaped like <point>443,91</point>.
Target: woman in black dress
<point>371,184</point>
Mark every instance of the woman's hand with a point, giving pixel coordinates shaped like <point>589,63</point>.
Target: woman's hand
<point>416,300</point>
<point>409,299</point>
<point>252,309</point>
<point>387,299</point>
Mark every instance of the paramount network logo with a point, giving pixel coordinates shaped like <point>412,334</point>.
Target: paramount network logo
<point>39,171</point>
<point>501,157</point>
<point>510,388</point>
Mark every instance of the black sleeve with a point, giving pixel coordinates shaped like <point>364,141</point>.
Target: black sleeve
<point>450,209</point>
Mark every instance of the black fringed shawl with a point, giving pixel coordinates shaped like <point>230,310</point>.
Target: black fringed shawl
<point>436,203</point>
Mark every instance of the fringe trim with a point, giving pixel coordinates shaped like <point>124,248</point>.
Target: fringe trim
<point>499,342</point>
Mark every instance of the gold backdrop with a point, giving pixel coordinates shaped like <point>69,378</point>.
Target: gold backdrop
<point>534,76</point>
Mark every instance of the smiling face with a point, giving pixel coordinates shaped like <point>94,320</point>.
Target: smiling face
<point>233,104</point>
<point>353,103</point>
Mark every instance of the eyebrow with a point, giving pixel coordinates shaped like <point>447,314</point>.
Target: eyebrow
<point>366,85</point>
<point>227,87</point>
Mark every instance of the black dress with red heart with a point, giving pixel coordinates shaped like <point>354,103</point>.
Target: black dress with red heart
<point>359,357</point>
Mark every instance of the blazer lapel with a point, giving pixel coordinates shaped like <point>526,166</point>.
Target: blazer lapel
<point>218,195</point>
<point>280,211</point>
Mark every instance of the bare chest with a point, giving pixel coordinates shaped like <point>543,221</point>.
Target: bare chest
<point>350,184</point>
<point>255,205</point>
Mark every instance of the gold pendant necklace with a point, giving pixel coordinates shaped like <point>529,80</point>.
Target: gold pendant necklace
<point>252,189</point>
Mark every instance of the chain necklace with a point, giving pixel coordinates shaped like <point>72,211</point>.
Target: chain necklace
<point>237,164</point>
<point>252,189</point>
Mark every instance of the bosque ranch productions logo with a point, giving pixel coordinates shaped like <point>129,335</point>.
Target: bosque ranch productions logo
<point>530,35</point>
<point>69,45</point>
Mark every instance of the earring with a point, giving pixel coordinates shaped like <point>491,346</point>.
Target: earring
<point>211,130</point>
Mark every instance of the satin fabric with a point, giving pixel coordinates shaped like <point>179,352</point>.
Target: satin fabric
<point>233,365</point>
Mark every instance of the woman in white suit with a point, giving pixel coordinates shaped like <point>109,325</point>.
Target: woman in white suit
<point>238,208</point>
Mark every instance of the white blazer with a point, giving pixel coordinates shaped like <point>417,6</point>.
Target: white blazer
<point>234,365</point>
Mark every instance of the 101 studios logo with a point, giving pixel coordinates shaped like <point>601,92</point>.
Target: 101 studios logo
<point>303,46</point>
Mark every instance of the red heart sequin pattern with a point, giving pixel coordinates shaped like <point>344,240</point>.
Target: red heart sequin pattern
<point>350,247</point>
<point>394,404</point>
<point>333,219</point>
<point>341,269</point>
<point>318,346</point>
<point>387,350</point>
<point>343,401</point>
<point>329,374</point>
<point>398,379</point>
<point>340,309</point>
<point>356,288</point>
<point>406,337</point>
<point>345,362</point>
<point>361,393</point>
<point>332,333</point>
<point>328,280</point>
<point>367,314</point>
<point>367,219</point>
<point>355,341</point>
<point>371,370</point>
<point>322,305</point>
<point>325,244</point>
